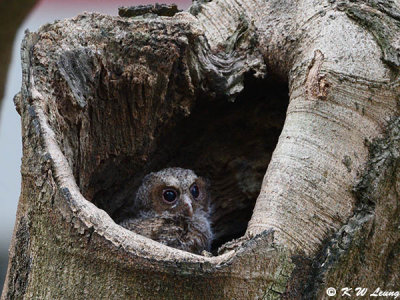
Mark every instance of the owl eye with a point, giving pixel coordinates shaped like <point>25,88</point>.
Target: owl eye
<point>169,196</point>
<point>194,190</point>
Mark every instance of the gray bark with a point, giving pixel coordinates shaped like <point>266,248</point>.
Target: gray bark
<point>107,99</point>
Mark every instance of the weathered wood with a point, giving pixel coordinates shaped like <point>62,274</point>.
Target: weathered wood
<point>106,99</point>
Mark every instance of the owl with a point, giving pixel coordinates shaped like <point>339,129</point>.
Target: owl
<point>172,207</point>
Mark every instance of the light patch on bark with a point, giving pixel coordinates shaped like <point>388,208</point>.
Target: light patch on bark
<point>316,83</point>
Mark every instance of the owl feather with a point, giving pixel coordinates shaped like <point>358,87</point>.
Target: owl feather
<point>172,207</point>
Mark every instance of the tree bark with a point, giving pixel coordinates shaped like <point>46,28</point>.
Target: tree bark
<point>106,100</point>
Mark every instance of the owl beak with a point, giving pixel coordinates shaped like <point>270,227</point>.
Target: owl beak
<point>187,203</point>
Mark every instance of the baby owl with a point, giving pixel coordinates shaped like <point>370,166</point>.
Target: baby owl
<point>172,207</point>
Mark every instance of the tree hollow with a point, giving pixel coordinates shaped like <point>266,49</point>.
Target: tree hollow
<point>229,143</point>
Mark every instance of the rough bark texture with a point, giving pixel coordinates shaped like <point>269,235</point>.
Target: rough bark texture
<point>106,99</point>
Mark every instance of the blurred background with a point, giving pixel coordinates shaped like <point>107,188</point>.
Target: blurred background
<point>15,17</point>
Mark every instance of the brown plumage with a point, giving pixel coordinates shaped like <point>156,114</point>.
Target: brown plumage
<point>172,207</point>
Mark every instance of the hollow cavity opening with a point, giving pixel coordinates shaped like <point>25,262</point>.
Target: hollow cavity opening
<point>228,143</point>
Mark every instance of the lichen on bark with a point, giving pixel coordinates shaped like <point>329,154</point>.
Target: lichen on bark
<point>348,251</point>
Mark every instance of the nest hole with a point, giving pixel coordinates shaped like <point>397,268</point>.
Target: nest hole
<point>229,143</point>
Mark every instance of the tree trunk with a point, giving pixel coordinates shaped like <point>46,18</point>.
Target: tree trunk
<point>106,100</point>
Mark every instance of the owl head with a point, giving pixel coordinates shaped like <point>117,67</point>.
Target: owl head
<point>176,191</point>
